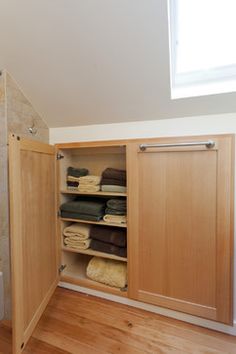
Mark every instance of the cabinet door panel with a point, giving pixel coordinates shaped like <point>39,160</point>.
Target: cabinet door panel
<point>34,251</point>
<point>180,227</point>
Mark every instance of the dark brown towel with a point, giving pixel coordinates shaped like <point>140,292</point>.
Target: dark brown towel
<point>108,248</point>
<point>114,173</point>
<point>113,182</point>
<point>110,235</point>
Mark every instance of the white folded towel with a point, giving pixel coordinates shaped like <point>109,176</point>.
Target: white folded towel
<point>81,231</point>
<point>77,243</point>
<point>90,180</point>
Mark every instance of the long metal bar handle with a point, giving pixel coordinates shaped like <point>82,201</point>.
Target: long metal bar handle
<point>208,144</point>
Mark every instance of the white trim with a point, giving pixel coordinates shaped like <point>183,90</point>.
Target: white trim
<point>155,309</point>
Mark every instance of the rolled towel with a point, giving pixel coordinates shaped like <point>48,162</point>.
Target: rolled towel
<point>114,173</point>
<point>107,271</point>
<point>113,235</point>
<point>116,219</point>
<point>86,188</point>
<point>77,172</point>
<point>90,180</point>
<point>108,248</point>
<point>76,242</point>
<point>113,188</point>
<point>81,231</point>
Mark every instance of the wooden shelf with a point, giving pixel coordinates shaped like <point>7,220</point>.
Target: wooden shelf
<point>91,252</point>
<point>100,193</point>
<point>75,273</point>
<point>94,222</point>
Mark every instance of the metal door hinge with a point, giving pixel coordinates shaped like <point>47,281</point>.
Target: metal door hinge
<point>61,268</point>
<point>60,156</point>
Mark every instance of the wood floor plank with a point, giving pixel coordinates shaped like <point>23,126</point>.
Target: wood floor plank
<point>75,323</point>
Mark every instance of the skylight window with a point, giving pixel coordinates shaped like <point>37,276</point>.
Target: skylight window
<point>203,47</point>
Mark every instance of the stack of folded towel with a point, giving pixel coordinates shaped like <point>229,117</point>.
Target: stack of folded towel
<point>86,208</point>
<point>113,180</point>
<point>108,240</point>
<point>107,271</point>
<point>116,211</point>
<point>73,175</point>
<point>89,184</point>
<point>77,236</point>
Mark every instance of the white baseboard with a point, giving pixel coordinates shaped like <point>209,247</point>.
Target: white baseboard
<point>155,309</point>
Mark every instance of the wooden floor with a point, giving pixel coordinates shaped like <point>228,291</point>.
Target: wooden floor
<point>80,324</point>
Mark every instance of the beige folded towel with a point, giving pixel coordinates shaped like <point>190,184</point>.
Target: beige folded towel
<point>76,242</point>
<point>73,179</point>
<point>87,188</point>
<point>107,271</point>
<point>116,219</point>
<point>90,180</point>
<point>81,231</point>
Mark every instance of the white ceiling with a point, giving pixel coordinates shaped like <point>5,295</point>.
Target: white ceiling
<point>95,61</point>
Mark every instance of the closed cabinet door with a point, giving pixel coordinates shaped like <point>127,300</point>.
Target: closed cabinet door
<point>180,218</point>
<point>34,246</point>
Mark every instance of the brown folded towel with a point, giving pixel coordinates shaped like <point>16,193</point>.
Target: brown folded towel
<point>114,173</point>
<point>108,248</point>
<point>110,235</point>
<point>112,181</point>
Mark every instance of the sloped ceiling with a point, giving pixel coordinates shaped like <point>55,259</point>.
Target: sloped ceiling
<point>95,61</point>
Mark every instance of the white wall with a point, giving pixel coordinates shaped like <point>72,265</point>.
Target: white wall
<point>213,124</point>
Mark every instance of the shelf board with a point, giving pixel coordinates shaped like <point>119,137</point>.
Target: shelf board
<point>91,252</point>
<point>94,222</point>
<point>100,193</point>
<point>75,273</point>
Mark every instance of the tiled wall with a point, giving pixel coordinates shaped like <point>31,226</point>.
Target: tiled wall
<point>16,116</point>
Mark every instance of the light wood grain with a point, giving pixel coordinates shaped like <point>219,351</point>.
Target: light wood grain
<point>180,251</point>
<point>80,324</point>
<point>100,194</point>
<point>91,252</point>
<point>34,245</point>
<point>94,222</point>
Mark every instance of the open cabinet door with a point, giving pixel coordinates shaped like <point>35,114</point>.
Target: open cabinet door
<point>33,222</point>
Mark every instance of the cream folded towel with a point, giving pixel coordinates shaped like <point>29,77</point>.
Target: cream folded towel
<point>76,242</point>
<point>73,179</point>
<point>116,219</point>
<point>107,271</point>
<point>87,188</point>
<point>81,231</point>
<point>90,180</point>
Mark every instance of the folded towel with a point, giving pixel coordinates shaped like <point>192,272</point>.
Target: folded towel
<point>108,248</point>
<point>90,180</point>
<point>81,231</point>
<point>81,216</point>
<point>85,206</point>
<point>72,188</point>
<point>113,188</point>
<point>112,181</point>
<point>86,188</point>
<point>114,173</point>
<point>75,242</point>
<point>116,219</point>
<point>107,271</point>
<point>113,235</point>
<point>117,204</point>
<point>114,212</point>
<point>72,184</point>
<point>73,179</point>
<point>77,172</point>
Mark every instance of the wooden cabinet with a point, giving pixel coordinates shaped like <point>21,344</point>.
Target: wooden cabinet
<point>181,225</point>
<point>179,230</point>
